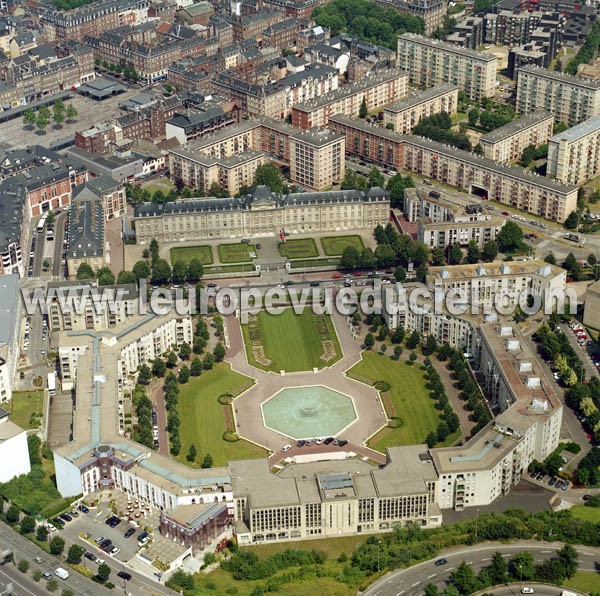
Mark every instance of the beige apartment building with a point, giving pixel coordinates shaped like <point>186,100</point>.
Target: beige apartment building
<point>510,185</point>
<point>574,155</point>
<point>571,99</point>
<point>377,89</point>
<point>506,144</point>
<point>404,115</point>
<point>430,62</point>
<point>261,213</point>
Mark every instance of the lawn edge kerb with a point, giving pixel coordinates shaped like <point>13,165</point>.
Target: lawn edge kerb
<point>312,254</point>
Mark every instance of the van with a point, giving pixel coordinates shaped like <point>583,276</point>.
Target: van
<point>567,593</point>
<point>61,573</point>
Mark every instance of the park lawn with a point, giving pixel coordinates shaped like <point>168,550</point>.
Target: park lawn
<point>586,513</point>
<point>335,245</point>
<point>292,342</point>
<point>23,405</point>
<point>299,248</point>
<point>202,417</point>
<point>584,581</point>
<point>187,253</point>
<point>164,185</point>
<point>235,253</point>
<point>408,394</point>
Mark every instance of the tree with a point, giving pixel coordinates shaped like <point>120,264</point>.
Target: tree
<point>103,572</point>
<point>454,254</point>
<point>171,360</point>
<point>58,116</point>
<point>126,277</point>
<point>400,273</point>
<point>196,367</point>
<point>369,341</point>
<point>144,375</point>
<point>442,432</point>
<point>27,525</point>
<point>141,270</point>
<point>29,118</point>
<point>396,186</point>
<point>23,565</point>
<point>52,585</point>
<point>219,352</point>
<point>521,566</point>
<point>184,374</point>
<point>75,553</point>
<point>41,122</point>
<point>267,174</point>
<point>350,258</point>
<point>376,177</point>
<point>510,237</point>
<point>209,362</point>
<point>363,111</point>
<point>568,558</point>
<point>71,112</point>
<point>464,579</point>
<point>385,255</point>
<point>192,453</point>
<point>41,533</point>
<point>159,367</point>
<point>161,272</point>
<point>84,271</point>
<point>498,569</point>
<point>550,258</point>
<point>195,271</point>
<point>490,251</point>
<point>572,220</point>
<point>431,590</point>
<point>431,439</point>
<point>473,253</point>
<point>207,462</point>
<point>105,277</point>
<point>185,351</point>
<point>13,514</point>
<point>413,340</point>
<point>57,545</point>
<point>180,270</point>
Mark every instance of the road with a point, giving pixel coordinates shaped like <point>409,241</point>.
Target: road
<point>412,581</point>
<point>158,400</point>
<point>58,269</point>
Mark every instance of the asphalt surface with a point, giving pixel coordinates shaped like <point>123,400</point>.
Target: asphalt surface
<point>412,581</point>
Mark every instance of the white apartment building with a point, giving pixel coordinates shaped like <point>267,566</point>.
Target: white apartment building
<point>506,144</point>
<point>430,62</point>
<point>14,452</point>
<point>574,155</point>
<point>447,217</point>
<point>10,330</point>
<point>571,99</point>
<point>405,114</point>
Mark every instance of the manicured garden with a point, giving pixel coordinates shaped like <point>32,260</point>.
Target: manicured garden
<point>409,399</point>
<point>335,245</point>
<point>290,341</point>
<point>26,408</point>
<point>299,248</point>
<point>187,253</point>
<point>236,253</point>
<point>203,418</point>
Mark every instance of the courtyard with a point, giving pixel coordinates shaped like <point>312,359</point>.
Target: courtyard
<point>291,342</point>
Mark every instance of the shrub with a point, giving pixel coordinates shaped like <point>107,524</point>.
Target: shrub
<point>382,386</point>
<point>230,436</point>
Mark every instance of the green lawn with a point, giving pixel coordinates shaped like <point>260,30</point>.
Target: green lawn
<point>23,405</point>
<point>187,253</point>
<point>300,248</point>
<point>409,396</point>
<point>587,513</point>
<point>236,253</point>
<point>335,245</point>
<point>290,341</point>
<point>238,268</point>
<point>584,581</point>
<point>203,417</point>
<point>319,262</point>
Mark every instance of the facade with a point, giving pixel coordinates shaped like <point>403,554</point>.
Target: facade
<point>591,313</point>
<point>431,62</point>
<point>262,213</point>
<point>510,185</point>
<point>404,115</point>
<point>13,449</point>
<point>86,234</point>
<point>506,144</point>
<point>449,218</point>
<point>10,331</point>
<point>378,89</point>
<point>571,99</point>
<point>574,155</point>
<point>106,190</point>
<point>431,11</point>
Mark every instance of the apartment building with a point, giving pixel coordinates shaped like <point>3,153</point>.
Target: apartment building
<point>261,213</point>
<point>13,449</point>
<point>513,186</point>
<point>107,191</point>
<point>446,218</point>
<point>431,11</point>
<point>10,333</point>
<point>404,115</point>
<point>506,144</point>
<point>188,125</point>
<point>430,62</point>
<point>86,234</point>
<point>282,34</point>
<point>377,89</point>
<point>571,99</point>
<point>574,155</point>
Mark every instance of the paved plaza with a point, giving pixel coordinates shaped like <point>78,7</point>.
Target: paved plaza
<point>247,407</point>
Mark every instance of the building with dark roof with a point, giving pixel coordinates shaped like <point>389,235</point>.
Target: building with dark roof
<point>86,233</point>
<point>107,190</point>
<point>188,125</point>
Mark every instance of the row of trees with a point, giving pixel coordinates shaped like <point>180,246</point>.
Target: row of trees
<point>143,409</point>
<point>438,128</point>
<point>127,70</point>
<point>41,118</point>
<point>587,51</point>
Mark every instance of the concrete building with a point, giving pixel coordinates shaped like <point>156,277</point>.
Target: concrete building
<point>106,190</point>
<point>430,62</point>
<point>10,329</point>
<point>506,144</point>
<point>431,11</point>
<point>13,449</point>
<point>574,154</point>
<point>513,186</point>
<point>86,234</point>
<point>591,312</point>
<point>188,125</point>
<point>404,115</point>
<point>450,218</point>
<point>262,213</point>
<point>378,89</point>
<point>571,99</point>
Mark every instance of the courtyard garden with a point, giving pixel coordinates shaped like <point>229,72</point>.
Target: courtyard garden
<point>405,398</point>
<point>335,245</point>
<point>299,248</point>
<point>26,408</point>
<point>187,253</point>
<point>206,415</point>
<point>236,253</point>
<point>290,341</point>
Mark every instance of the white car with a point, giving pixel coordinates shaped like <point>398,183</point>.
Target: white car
<point>286,448</point>
<point>527,590</point>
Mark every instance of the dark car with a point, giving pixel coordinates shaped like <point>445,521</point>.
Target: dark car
<point>586,497</point>
<point>129,532</point>
<point>83,509</point>
<point>540,476</point>
<point>342,442</point>
<point>90,556</point>
<point>66,517</point>
<point>533,474</point>
<point>58,522</point>
<point>552,482</point>
<point>124,575</point>
<point>115,522</point>
<point>440,562</point>
<point>105,543</point>
<point>301,443</point>
<point>328,441</point>
<point>315,283</point>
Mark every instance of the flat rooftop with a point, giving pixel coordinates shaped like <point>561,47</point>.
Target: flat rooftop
<point>493,269</point>
<point>516,126</point>
<point>588,127</point>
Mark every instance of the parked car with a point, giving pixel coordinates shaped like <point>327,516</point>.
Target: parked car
<point>90,556</point>
<point>115,550</point>
<point>58,522</point>
<point>286,448</point>
<point>47,575</point>
<point>328,440</point>
<point>552,481</point>
<point>100,539</point>
<point>440,562</point>
<point>83,509</point>
<point>129,532</point>
<point>66,517</point>
<point>124,575</point>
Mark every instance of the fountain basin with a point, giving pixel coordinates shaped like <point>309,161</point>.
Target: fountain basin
<point>307,412</point>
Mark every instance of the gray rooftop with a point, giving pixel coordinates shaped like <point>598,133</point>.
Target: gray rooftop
<point>446,47</point>
<point>516,126</point>
<point>579,131</point>
<point>560,77</point>
<point>9,295</point>
<point>420,97</point>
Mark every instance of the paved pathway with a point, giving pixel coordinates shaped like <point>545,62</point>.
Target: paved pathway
<point>248,415</point>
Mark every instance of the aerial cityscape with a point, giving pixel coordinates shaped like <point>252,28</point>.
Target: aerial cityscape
<point>299,296</point>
